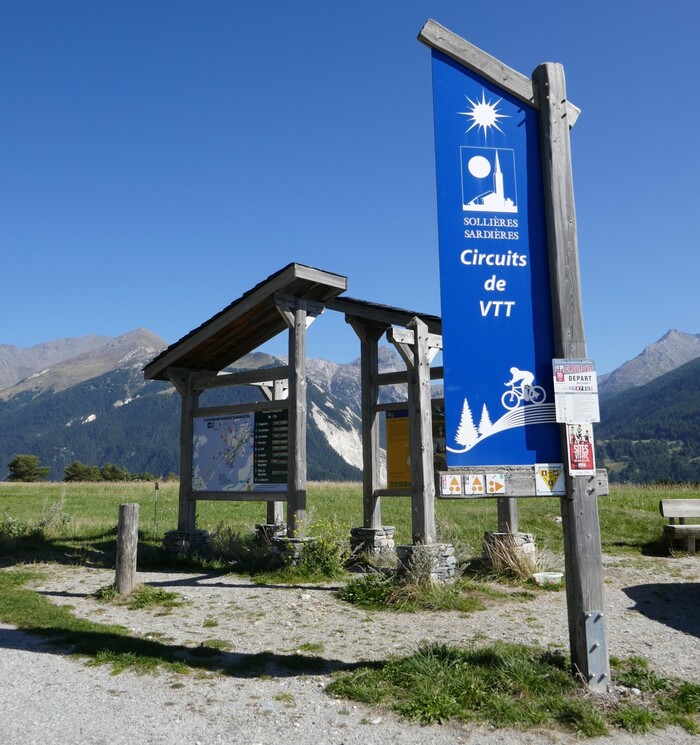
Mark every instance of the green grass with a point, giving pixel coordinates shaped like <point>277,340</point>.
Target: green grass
<point>377,591</point>
<point>143,596</point>
<point>85,530</point>
<point>509,685</point>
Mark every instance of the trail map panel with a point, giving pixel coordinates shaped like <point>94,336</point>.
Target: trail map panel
<point>240,452</point>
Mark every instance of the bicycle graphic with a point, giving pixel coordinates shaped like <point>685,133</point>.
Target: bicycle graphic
<point>522,390</point>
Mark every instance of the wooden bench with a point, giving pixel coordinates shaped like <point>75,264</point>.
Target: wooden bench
<point>681,509</point>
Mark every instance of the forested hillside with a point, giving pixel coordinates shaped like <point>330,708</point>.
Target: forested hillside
<point>652,432</point>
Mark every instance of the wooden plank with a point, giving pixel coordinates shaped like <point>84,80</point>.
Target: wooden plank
<point>240,496</point>
<point>393,406</point>
<point>245,408</point>
<point>244,377</point>
<point>420,428</point>
<point>676,508</point>
<point>438,37</point>
<point>365,311</point>
<point>397,492</point>
<point>582,549</point>
<point>399,377</point>
<point>689,533</point>
<point>520,481</point>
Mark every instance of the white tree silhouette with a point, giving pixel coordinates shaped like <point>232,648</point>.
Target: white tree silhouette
<point>485,425</point>
<point>467,433</point>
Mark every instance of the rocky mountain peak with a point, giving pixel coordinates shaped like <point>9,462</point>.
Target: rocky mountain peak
<point>672,350</point>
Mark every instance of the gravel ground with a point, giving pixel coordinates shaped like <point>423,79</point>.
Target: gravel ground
<point>51,698</point>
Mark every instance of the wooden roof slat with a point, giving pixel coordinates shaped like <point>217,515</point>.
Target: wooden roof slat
<point>365,310</point>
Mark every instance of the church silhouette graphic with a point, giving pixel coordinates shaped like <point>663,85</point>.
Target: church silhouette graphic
<point>478,164</point>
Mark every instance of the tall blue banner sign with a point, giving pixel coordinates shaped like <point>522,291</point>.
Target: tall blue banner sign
<point>494,275</point>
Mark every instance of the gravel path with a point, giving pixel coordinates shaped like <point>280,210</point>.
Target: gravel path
<point>50,698</point>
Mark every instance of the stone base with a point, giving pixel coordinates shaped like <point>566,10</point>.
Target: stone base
<point>372,541</point>
<point>521,545</point>
<point>435,562</point>
<point>187,542</point>
<point>267,532</point>
<point>288,551</point>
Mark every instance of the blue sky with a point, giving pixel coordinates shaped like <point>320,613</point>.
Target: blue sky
<point>160,158</point>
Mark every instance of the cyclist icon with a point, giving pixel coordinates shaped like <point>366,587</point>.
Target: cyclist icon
<point>522,388</point>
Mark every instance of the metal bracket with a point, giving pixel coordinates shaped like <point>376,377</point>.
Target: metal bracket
<point>598,673</point>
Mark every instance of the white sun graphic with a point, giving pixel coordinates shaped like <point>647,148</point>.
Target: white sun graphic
<point>484,114</point>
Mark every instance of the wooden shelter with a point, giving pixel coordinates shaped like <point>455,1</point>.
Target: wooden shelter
<point>290,299</point>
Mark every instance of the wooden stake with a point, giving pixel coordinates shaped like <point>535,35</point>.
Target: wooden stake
<point>127,544</point>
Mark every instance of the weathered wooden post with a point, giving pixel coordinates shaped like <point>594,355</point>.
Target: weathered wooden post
<point>369,334</point>
<point>183,382</point>
<point>295,314</point>
<point>579,508</point>
<point>127,545</point>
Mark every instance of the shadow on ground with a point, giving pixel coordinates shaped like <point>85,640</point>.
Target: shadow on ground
<point>202,658</point>
<point>674,605</point>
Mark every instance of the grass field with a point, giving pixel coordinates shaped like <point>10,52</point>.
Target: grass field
<point>87,512</point>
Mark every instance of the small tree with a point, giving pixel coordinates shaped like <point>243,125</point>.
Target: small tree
<point>78,471</point>
<point>111,472</point>
<point>27,468</point>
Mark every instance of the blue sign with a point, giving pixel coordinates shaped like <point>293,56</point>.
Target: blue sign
<point>494,274</point>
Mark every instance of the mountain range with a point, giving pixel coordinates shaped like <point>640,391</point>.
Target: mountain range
<point>94,406</point>
<point>86,399</point>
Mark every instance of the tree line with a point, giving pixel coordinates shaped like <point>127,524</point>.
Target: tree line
<point>28,468</point>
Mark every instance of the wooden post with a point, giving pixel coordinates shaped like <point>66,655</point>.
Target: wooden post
<point>420,428</point>
<point>187,509</point>
<point>369,334</point>
<point>296,487</point>
<point>507,514</point>
<point>127,544</point>
<point>583,560</point>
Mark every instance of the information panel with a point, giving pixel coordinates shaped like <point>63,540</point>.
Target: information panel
<point>240,452</point>
<point>494,275</point>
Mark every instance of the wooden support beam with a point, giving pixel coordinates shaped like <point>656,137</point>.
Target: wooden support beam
<point>507,514</point>
<point>404,341</point>
<point>583,560</point>
<point>267,376</point>
<point>438,37</point>
<point>286,305</point>
<point>240,408</point>
<point>369,333</point>
<point>240,496</point>
<point>420,428</point>
<point>187,508</point>
<point>399,376</point>
<point>296,484</point>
